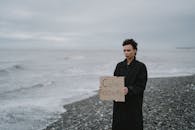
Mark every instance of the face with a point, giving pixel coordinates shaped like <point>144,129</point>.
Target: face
<point>129,51</point>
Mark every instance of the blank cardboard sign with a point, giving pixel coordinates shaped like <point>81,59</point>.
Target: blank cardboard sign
<point>111,88</point>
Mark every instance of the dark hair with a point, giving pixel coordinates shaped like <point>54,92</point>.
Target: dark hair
<point>130,42</point>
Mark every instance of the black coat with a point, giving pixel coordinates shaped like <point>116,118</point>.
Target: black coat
<point>128,115</point>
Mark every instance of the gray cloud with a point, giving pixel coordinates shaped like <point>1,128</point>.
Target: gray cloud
<point>101,23</point>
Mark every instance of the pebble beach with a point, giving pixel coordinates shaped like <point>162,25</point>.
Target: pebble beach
<point>169,104</point>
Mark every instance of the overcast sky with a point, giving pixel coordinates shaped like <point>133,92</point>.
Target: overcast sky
<point>96,24</point>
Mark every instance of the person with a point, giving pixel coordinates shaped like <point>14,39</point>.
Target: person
<point>128,115</point>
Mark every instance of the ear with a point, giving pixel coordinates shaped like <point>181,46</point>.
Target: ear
<point>135,52</point>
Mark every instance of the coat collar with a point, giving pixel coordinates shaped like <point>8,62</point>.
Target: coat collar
<point>132,62</point>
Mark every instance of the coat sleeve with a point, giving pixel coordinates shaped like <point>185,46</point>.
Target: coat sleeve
<point>116,71</point>
<point>140,82</point>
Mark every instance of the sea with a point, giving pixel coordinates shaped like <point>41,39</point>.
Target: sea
<point>36,83</point>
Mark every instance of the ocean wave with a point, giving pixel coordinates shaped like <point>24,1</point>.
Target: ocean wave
<point>78,57</point>
<point>6,71</point>
<point>33,87</point>
<point>3,72</point>
<point>17,67</point>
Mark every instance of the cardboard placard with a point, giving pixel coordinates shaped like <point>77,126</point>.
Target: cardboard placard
<point>111,88</point>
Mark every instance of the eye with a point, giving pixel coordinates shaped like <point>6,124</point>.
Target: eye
<point>128,50</point>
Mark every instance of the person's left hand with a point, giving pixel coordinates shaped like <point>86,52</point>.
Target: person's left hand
<point>125,90</point>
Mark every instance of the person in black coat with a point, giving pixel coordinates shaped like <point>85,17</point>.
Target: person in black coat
<point>128,115</point>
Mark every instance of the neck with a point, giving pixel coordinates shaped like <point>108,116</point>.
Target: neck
<point>129,60</point>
